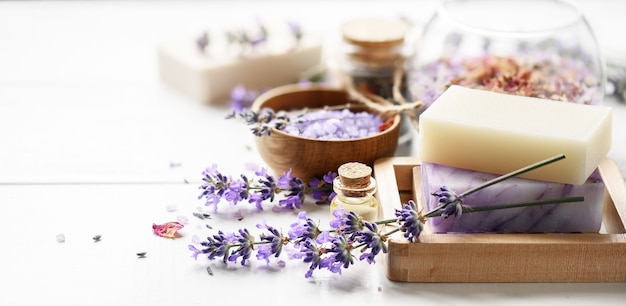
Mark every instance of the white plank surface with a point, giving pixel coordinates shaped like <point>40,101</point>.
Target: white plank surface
<point>87,135</point>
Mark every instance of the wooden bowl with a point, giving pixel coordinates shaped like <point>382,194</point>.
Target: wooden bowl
<point>306,157</point>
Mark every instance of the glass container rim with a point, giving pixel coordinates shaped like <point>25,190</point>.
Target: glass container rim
<point>573,7</point>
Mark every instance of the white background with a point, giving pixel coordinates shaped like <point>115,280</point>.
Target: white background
<point>87,135</point>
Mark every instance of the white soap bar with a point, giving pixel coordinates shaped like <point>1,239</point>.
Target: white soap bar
<point>209,77</point>
<point>498,133</point>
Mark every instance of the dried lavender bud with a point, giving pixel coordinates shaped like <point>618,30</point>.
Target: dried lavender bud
<point>97,238</point>
<point>203,41</point>
<point>142,254</point>
<point>201,216</point>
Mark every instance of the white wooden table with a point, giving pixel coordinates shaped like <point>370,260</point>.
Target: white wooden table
<point>88,137</point>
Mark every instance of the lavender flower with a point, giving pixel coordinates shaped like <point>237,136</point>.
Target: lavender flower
<point>324,124</point>
<point>214,246</point>
<point>296,189</point>
<point>275,246</point>
<point>237,190</point>
<point>322,190</point>
<point>295,30</point>
<point>411,224</point>
<point>305,228</point>
<point>262,121</point>
<point>202,41</point>
<point>214,186</point>
<point>242,98</point>
<point>373,240</point>
<point>217,187</point>
<point>332,249</point>
<point>342,254</point>
<point>267,186</point>
<point>244,247</point>
<point>261,37</point>
<point>349,223</point>
<point>312,255</point>
<point>449,202</point>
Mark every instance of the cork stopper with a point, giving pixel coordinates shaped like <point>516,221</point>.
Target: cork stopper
<point>374,32</point>
<point>354,175</point>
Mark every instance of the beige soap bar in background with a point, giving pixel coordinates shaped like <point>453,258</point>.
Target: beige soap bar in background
<point>498,133</point>
<point>210,76</point>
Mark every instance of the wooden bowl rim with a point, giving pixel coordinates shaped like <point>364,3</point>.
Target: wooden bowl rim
<point>290,88</point>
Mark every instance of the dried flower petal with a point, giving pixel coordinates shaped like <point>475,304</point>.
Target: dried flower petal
<point>171,207</point>
<point>167,230</point>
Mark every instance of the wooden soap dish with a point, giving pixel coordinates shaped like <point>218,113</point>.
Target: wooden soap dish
<point>480,258</point>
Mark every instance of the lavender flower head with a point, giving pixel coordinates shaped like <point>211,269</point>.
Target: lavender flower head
<point>295,30</point>
<point>374,242</point>
<point>305,228</point>
<point>244,247</point>
<point>264,187</point>
<point>411,224</point>
<point>322,189</point>
<point>202,41</point>
<point>449,202</point>
<point>214,186</point>
<point>347,223</point>
<point>341,254</point>
<point>295,188</point>
<point>214,246</point>
<point>242,98</point>
<point>275,242</point>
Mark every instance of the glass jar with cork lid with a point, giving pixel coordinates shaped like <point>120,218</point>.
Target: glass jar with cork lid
<point>355,188</point>
<point>370,61</point>
<point>370,52</point>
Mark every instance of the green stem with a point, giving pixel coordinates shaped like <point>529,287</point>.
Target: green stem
<point>525,204</point>
<point>387,234</point>
<point>392,232</point>
<point>512,174</point>
<point>437,212</point>
<point>386,221</point>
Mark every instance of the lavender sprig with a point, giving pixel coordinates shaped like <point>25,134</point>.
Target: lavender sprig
<point>334,249</point>
<point>337,122</point>
<point>451,203</point>
<point>262,188</point>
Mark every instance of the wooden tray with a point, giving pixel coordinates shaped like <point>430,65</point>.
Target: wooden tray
<point>479,258</point>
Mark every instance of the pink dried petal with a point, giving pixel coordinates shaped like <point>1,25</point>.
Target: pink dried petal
<point>167,230</point>
<point>61,237</point>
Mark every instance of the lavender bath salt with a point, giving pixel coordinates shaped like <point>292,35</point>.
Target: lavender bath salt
<point>333,124</point>
<point>585,216</point>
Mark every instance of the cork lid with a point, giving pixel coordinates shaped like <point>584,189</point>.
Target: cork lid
<point>374,32</point>
<point>354,175</point>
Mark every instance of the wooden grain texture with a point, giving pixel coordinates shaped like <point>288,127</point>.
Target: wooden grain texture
<point>589,257</point>
<point>306,157</point>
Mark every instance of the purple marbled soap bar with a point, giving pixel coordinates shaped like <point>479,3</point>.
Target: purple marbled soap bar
<point>583,216</point>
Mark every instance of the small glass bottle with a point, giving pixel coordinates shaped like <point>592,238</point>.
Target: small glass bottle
<point>355,188</point>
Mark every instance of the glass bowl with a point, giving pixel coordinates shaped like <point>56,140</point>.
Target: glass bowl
<point>537,48</point>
